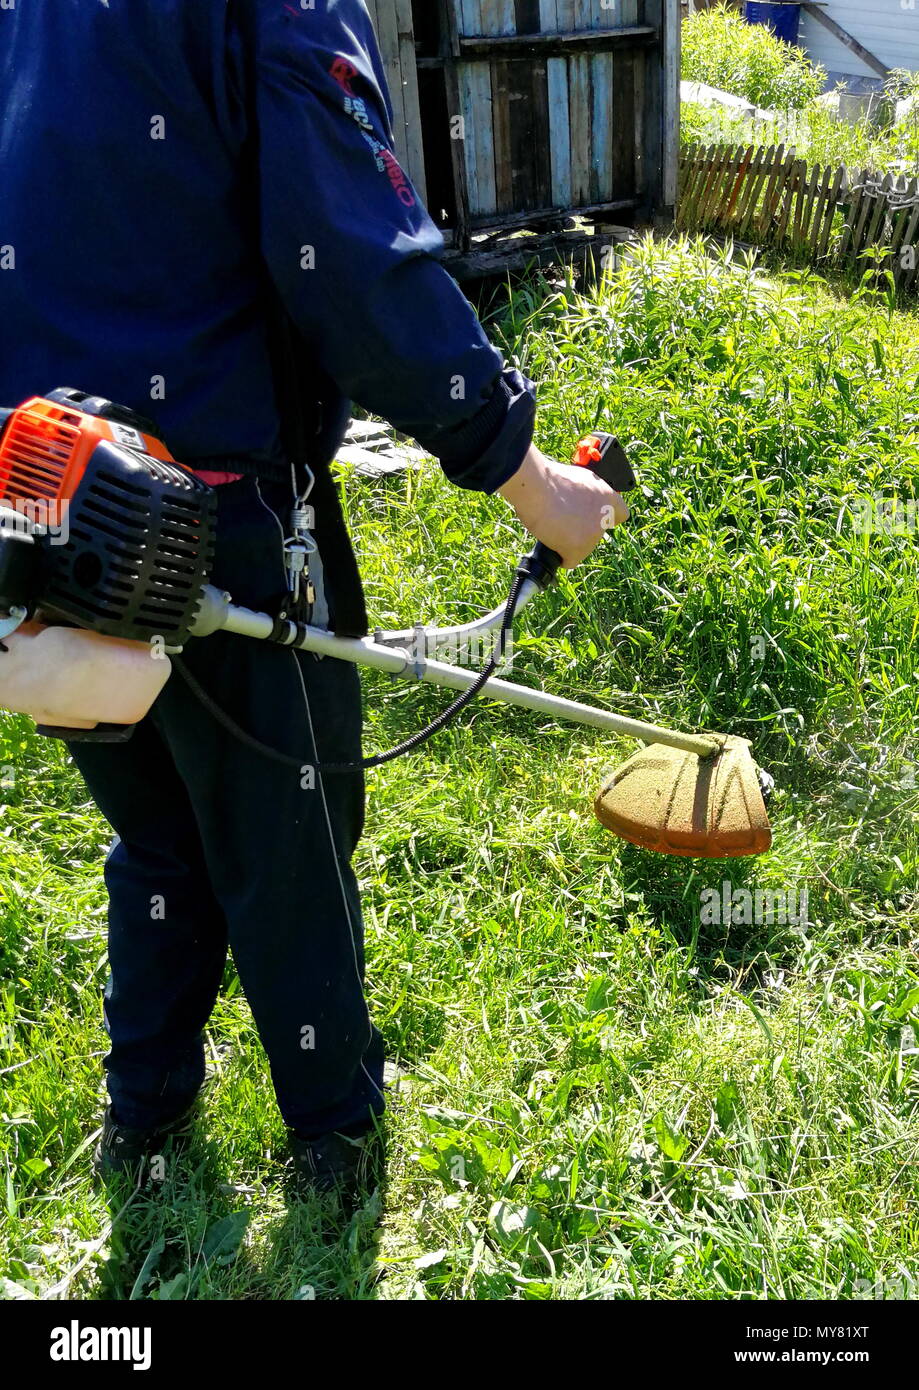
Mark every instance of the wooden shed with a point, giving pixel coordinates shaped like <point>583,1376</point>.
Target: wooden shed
<point>514,114</point>
<point>857,43</point>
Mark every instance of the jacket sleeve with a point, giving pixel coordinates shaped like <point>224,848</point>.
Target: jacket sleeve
<point>354,254</point>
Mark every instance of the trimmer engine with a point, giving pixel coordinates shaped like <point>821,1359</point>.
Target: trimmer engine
<point>99,525</point>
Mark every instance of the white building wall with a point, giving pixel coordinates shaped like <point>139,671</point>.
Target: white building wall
<point>888,28</point>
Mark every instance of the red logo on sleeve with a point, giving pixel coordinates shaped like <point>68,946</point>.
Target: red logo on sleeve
<point>344,73</point>
<point>397,178</point>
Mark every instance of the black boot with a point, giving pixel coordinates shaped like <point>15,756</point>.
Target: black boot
<point>335,1163</point>
<point>124,1150</point>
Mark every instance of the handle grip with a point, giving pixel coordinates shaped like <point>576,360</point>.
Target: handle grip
<point>605,456</point>
<point>102,733</point>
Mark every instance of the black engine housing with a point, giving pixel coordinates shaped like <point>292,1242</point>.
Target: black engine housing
<point>131,551</point>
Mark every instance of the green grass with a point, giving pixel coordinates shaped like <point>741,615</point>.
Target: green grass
<point>603,1095</point>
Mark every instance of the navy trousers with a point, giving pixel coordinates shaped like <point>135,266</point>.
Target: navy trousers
<point>219,847</point>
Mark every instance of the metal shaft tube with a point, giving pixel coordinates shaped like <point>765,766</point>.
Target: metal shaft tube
<point>363,651</point>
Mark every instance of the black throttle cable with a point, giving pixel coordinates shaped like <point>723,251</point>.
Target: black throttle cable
<point>408,746</point>
<point>604,456</point>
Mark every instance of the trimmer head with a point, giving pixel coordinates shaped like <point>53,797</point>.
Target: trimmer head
<point>674,802</point>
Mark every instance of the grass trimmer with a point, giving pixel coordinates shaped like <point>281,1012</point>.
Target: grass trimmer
<point>106,549</point>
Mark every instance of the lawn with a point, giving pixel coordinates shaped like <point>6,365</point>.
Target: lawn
<point>603,1092</point>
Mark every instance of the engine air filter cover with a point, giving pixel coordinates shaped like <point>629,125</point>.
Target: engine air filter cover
<point>135,547</point>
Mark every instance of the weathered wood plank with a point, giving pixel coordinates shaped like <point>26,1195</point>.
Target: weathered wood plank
<point>387,31</point>
<point>793,183</point>
<point>501,86</point>
<point>758,182</point>
<point>715,157</point>
<point>700,184</point>
<point>874,231</point>
<point>749,193</point>
<point>562,41</point>
<point>780,168</point>
<point>723,158</point>
<point>559,131</point>
<point>523,253</point>
<point>579,97</point>
<point>900,238</point>
<point>533,217</point>
<point>856,197</point>
<point>500,17</point>
<point>735,185</point>
<point>709,174</point>
<point>685,176</point>
<point>548,16</point>
<point>623,171</point>
<point>700,188</point>
<point>601,124</point>
<point>907,268</point>
<point>586,14</point>
<point>475,88</point>
<point>814,206</point>
<point>802,208</point>
<point>829,215</point>
<point>521,116</point>
<point>703,183</point>
<point>865,214</point>
<point>651,162</point>
<point>816,227</point>
<point>646,174</point>
<point>670,108</point>
<point>458,153</point>
<point>469,17</point>
<point>690,172</point>
<point>414,134</point>
<point>538,126</point>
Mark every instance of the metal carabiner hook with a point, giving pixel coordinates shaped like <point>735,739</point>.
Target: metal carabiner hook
<point>299,546</point>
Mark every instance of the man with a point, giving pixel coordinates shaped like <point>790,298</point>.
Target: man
<point>169,173</point>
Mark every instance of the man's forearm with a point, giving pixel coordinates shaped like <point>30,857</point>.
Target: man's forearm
<point>568,509</point>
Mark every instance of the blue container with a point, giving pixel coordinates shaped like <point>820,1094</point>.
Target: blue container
<point>783,20</point>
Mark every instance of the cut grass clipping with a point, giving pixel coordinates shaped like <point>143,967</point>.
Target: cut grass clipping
<point>622,1076</point>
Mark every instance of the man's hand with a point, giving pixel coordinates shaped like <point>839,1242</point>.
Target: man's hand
<point>565,507</point>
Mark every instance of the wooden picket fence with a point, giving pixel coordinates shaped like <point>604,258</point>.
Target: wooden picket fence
<point>768,196</point>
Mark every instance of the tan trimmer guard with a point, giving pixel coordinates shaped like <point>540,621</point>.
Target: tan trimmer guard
<point>675,802</point>
<point>69,678</point>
